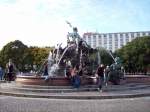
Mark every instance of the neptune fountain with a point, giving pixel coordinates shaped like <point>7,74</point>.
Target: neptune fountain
<point>75,54</point>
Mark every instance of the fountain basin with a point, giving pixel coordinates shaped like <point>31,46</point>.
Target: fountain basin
<point>53,81</point>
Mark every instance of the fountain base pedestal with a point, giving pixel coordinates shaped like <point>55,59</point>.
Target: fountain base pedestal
<point>53,81</point>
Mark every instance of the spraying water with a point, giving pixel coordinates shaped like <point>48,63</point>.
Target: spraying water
<point>111,55</point>
<point>99,58</point>
<point>64,53</point>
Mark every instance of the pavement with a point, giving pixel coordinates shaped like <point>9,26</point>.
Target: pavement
<point>132,90</point>
<point>23,104</point>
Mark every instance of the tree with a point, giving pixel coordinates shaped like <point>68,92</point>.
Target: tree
<point>23,57</point>
<point>136,54</point>
<point>36,56</point>
<point>103,56</point>
<point>13,50</point>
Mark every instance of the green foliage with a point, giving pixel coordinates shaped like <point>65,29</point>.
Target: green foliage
<point>136,53</point>
<point>105,57</point>
<point>23,57</point>
<point>36,56</point>
<point>15,51</point>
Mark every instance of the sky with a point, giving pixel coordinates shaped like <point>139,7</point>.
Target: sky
<point>43,22</point>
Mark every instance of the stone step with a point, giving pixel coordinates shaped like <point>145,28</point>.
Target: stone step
<point>49,90</point>
<point>45,89</point>
<point>14,85</point>
<point>55,87</point>
<point>65,89</point>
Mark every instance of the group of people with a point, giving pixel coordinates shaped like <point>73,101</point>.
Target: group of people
<point>74,75</point>
<point>102,75</point>
<point>8,74</point>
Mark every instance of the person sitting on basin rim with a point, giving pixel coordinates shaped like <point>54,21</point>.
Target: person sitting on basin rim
<point>75,78</point>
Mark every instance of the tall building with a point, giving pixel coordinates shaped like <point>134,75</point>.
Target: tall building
<point>112,41</point>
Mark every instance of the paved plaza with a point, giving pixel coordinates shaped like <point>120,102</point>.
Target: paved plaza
<point>65,92</point>
<point>131,97</point>
<point>22,104</point>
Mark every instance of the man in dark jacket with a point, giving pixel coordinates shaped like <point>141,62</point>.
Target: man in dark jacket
<point>10,67</point>
<point>100,73</point>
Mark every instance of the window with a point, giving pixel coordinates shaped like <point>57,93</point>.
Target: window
<point>121,41</point>
<point>127,35</point>
<point>116,42</point>
<point>94,38</point>
<point>110,35</point>
<point>105,40</point>
<point>99,40</point>
<point>105,35</point>
<point>138,34</point>
<point>89,40</point>
<point>116,35</point>
<point>143,33</point>
<point>110,41</point>
<point>94,41</point>
<point>116,39</point>
<point>121,35</point>
<point>127,39</point>
<point>132,35</point>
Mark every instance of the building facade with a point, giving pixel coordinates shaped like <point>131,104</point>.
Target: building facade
<point>112,41</point>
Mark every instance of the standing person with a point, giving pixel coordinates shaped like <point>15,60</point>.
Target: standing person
<point>100,73</point>
<point>68,71</point>
<point>45,69</point>
<point>1,73</point>
<point>107,70</point>
<point>10,70</point>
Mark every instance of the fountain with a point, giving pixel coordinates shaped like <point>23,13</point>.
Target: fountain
<point>56,78</point>
<point>74,54</point>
